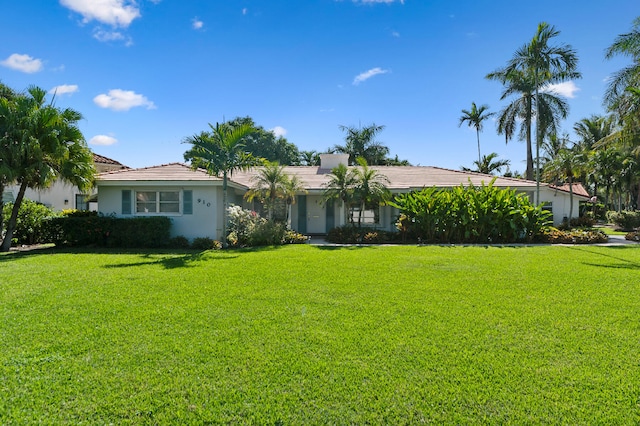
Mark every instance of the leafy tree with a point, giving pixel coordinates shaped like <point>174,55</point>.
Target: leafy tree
<point>592,130</point>
<point>360,142</point>
<point>265,144</point>
<point>474,118</point>
<point>7,171</point>
<point>541,63</point>
<point>341,186</point>
<point>395,162</point>
<point>627,44</point>
<point>221,151</point>
<point>370,189</point>
<point>291,188</point>
<point>40,144</point>
<point>487,165</point>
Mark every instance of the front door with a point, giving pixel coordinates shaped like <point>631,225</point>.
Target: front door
<point>316,215</point>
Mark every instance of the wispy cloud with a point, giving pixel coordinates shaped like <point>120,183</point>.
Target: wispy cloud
<point>368,74</point>
<point>245,10</point>
<point>395,34</point>
<point>106,36</point>
<point>23,63</point>
<point>196,23</point>
<point>122,100</point>
<point>279,131</point>
<point>102,140</point>
<point>64,89</point>
<point>567,89</point>
<point>378,1</point>
<point>117,13</point>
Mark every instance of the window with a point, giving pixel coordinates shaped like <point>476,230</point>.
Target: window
<point>82,202</point>
<point>158,202</point>
<point>548,206</point>
<point>370,215</point>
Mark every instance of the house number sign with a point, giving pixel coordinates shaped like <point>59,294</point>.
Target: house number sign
<point>204,202</point>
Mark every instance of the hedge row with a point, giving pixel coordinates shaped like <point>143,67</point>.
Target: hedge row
<point>109,231</point>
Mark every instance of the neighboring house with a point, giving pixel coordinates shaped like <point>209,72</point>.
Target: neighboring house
<point>193,199</point>
<point>62,195</point>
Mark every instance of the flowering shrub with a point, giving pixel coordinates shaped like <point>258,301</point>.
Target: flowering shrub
<point>576,236</point>
<point>247,229</point>
<point>633,236</point>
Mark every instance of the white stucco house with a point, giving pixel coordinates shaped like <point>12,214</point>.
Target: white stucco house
<point>62,195</point>
<point>193,199</point>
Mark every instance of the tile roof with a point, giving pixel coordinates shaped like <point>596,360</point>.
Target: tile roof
<point>163,172</point>
<point>578,189</point>
<point>97,158</point>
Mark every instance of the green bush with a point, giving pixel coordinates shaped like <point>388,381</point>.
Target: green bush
<point>110,231</point>
<point>633,236</point>
<point>293,237</point>
<point>349,234</point>
<point>624,220</point>
<point>470,214</point>
<point>206,243</point>
<point>30,222</point>
<point>179,241</point>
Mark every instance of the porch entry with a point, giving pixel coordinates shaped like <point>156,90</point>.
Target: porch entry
<point>314,216</point>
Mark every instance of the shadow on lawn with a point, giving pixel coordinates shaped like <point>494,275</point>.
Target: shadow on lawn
<point>620,262</point>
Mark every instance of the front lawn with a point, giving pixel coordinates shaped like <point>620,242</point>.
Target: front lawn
<point>322,335</point>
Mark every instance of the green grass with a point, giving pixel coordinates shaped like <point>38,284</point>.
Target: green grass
<point>312,335</point>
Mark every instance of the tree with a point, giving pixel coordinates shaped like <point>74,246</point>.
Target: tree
<point>487,166</point>
<point>370,189</point>
<point>592,130</point>
<point>542,64</point>
<point>221,151</point>
<point>341,186</point>
<point>309,158</point>
<point>265,144</point>
<point>269,186</point>
<point>292,187</point>
<point>7,171</point>
<point>564,167</point>
<point>627,44</point>
<point>360,142</point>
<point>40,144</point>
<point>474,118</point>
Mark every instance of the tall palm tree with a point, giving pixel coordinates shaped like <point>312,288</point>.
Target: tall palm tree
<point>474,118</point>
<point>360,142</point>
<point>487,165</point>
<point>592,130</point>
<point>341,186</point>
<point>292,187</point>
<point>221,151</point>
<point>564,167</point>
<point>627,44</point>
<point>269,186</point>
<point>370,189</point>
<point>41,143</point>
<point>543,64</point>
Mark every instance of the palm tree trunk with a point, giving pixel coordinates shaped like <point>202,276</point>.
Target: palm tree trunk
<point>478,136</point>
<point>224,212</point>
<point>11,225</point>
<point>570,200</point>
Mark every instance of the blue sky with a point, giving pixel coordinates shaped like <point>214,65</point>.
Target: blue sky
<point>149,73</point>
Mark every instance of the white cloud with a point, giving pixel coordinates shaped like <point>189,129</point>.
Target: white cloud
<point>395,34</point>
<point>117,13</point>
<point>102,35</point>
<point>368,74</point>
<point>102,140</point>
<point>23,63</point>
<point>567,89</point>
<point>122,100</point>
<point>244,10</point>
<point>279,131</point>
<point>64,89</point>
<point>196,23</point>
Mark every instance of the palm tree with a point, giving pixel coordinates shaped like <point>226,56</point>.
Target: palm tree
<point>487,166</point>
<point>292,187</point>
<point>341,186</point>
<point>41,143</point>
<point>543,64</point>
<point>627,45</point>
<point>360,142</point>
<point>309,158</point>
<point>269,186</point>
<point>565,167</point>
<point>221,151</point>
<point>592,130</point>
<point>474,118</point>
<point>370,189</point>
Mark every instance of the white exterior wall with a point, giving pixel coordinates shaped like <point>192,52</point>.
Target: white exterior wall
<point>204,222</point>
<point>560,204</point>
<point>53,197</point>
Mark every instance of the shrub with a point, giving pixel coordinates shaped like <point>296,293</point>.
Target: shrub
<point>633,236</point>
<point>349,234</point>
<point>179,242</point>
<point>110,231</point>
<point>30,223</point>
<point>206,243</point>
<point>624,220</point>
<point>576,236</point>
<point>247,228</point>
<point>470,214</point>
